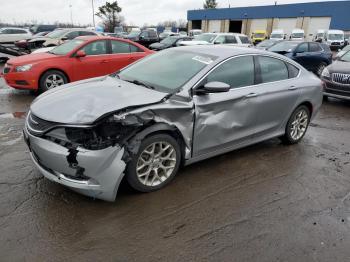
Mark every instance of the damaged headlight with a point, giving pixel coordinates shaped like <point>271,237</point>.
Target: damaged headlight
<point>106,133</point>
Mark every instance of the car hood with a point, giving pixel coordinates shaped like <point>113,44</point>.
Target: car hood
<point>158,46</point>
<point>190,43</point>
<point>39,39</point>
<point>31,58</point>
<point>339,67</point>
<point>86,101</point>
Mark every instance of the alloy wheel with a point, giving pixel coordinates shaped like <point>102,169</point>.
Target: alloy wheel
<point>156,163</point>
<point>53,81</point>
<point>299,124</point>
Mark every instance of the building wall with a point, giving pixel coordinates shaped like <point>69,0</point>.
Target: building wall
<point>338,11</point>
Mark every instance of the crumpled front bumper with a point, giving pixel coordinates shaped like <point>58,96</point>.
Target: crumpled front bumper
<point>102,172</point>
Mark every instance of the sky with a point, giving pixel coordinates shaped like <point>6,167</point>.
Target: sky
<point>136,12</point>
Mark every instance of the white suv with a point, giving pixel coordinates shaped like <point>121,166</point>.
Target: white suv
<point>9,35</point>
<point>234,39</point>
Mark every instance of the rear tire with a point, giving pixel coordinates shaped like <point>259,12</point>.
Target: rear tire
<point>155,164</point>
<point>52,79</point>
<point>297,125</point>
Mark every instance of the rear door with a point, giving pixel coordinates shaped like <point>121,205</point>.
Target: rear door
<point>95,63</point>
<point>277,94</point>
<point>316,55</point>
<point>224,120</point>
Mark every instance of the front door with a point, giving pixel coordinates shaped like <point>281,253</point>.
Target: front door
<point>224,120</point>
<point>94,64</point>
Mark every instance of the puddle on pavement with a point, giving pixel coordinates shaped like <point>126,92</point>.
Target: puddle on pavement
<point>12,115</point>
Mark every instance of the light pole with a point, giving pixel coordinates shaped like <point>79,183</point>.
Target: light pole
<point>71,15</point>
<point>93,13</point>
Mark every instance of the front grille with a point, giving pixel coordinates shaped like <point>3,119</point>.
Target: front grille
<point>37,126</point>
<point>341,78</point>
<point>335,43</point>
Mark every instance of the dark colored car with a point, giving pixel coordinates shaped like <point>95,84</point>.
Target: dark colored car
<point>42,28</point>
<point>145,38</point>
<point>264,45</point>
<point>311,55</point>
<point>171,41</point>
<point>337,78</point>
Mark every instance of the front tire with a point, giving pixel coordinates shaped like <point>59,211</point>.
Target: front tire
<point>155,164</point>
<point>297,125</point>
<point>52,79</point>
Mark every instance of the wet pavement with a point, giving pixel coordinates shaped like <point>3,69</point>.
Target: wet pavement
<point>267,202</point>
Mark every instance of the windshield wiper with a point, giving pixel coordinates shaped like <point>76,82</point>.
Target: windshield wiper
<point>140,83</point>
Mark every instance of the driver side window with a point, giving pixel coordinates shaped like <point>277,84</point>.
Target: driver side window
<point>72,35</point>
<point>95,48</point>
<point>236,72</point>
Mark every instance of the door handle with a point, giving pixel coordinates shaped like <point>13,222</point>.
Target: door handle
<point>251,95</point>
<point>293,88</point>
<point>104,61</point>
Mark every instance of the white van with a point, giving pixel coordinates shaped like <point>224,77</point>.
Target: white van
<point>234,39</point>
<point>335,39</point>
<point>297,34</point>
<point>277,35</point>
<point>320,35</point>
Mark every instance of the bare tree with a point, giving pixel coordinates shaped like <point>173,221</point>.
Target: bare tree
<point>208,4</point>
<point>110,15</point>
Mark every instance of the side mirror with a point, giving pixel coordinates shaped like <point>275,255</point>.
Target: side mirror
<point>213,87</point>
<point>64,38</point>
<point>217,43</point>
<point>142,37</point>
<point>80,53</point>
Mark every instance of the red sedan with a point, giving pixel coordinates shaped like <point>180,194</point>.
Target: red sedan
<point>81,58</point>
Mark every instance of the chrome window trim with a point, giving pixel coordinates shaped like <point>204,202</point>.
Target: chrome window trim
<point>243,55</point>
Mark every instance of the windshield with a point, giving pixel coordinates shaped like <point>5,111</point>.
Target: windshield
<point>206,37</point>
<point>56,33</point>
<point>335,36</point>
<point>66,47</point>
<point>134,34</point>
<point>169,40</point>
<point>345,57</point>
<point>320,35</point>
<point>297,35</point>
<point>283,47</point>
<point>259,35</point>
<point>167,71</point>
<point>266,43</point>
<point>277,36</point>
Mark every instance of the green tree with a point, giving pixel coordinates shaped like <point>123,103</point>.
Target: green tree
<point>210,4</point>
<point>109,13</point>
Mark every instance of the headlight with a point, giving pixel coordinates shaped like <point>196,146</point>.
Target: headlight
<point>23,68</point>
<point>325,73</point>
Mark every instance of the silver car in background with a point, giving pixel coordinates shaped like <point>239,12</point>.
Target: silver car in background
<point>173,108</point>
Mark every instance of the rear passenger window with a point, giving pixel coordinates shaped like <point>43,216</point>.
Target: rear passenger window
<point>315,47</point>
<point>236,72</point>
<point>244,39</point>
<point>119,47</point>
<point>272,69</point>
<point>293,70</point>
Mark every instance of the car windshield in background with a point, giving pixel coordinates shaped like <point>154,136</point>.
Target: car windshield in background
<point>169,40</point>
<point>345,57</point>
<point>283,47</point>
<point>206,37</point>
<point>166,71</point>
<point>297,35</point>
<point>336,37</point>
<point>56,33</point>
<point>276,36</point>
<point>66,47</point>
<point>320,35</point>
<point>259,35</point>
<point>266,43</point>
<point>133,34</point>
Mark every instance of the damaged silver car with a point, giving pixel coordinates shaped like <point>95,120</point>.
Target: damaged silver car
<point>173,108</point>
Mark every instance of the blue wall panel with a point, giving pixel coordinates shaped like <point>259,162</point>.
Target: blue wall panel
<point>338,10</point>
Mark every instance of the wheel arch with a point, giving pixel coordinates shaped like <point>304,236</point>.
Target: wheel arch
<point>308,104</point>
<point>50,69</point>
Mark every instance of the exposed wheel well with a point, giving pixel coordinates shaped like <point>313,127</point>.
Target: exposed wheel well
<point>308,105</point>
<point>56,69</point>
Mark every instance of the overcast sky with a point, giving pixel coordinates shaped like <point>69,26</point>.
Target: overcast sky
<point>137,12</point>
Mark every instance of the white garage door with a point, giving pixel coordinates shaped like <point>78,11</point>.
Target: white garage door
<point>287,24</point>
<point>315,24</point>
<point>214,26</point>
<point>258,24</point>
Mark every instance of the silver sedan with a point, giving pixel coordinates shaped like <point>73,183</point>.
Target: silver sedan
<point>173,108</point>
